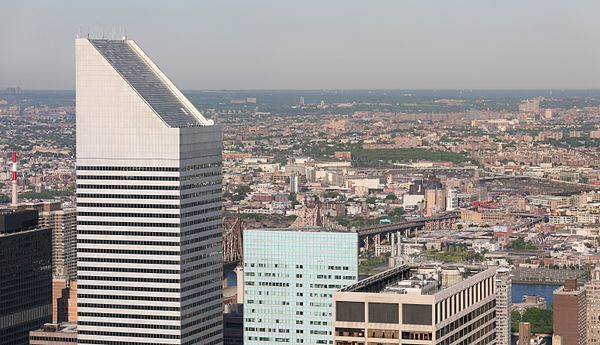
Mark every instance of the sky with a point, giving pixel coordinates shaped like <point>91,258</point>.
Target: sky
<point>310,44</point>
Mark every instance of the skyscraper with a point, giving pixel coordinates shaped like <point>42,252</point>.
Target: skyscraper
<point>149,207</point>
<point>63,222</point>
<point>289,278</point>
<point>569,312</point>
<point>25,275</point>
<point>592,296</point>
<point>503,306</point>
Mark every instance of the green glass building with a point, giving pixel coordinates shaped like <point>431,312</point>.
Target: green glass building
<point>289,279</point>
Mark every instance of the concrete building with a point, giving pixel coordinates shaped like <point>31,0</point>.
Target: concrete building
<point>503,306</point>
<point>569,312</point>
<point>63,222</point>
<point>289,278</point>
<point>149,207</point>
<point>54,334</point>
<point>419,305</point>
<point>25,275</point>
<point>524,333</point>
<point>592,297</point>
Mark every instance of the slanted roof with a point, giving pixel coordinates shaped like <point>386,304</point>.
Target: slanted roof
<point>147,82</point>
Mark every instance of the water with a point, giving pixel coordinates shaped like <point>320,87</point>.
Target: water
<point>546,291</point>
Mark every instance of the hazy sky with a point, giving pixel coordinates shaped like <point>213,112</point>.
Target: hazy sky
<point>305,44</point>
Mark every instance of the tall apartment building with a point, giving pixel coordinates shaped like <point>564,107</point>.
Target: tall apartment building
<point>149,223</point>
<point>25,275</point>
<point>569,312</point>
<point>63,222</point>
<point>503,306</point>
<point>419,305</point>
<point>289,278</point>
<point>592,297</point>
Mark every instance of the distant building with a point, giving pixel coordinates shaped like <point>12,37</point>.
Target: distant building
<point>25,275</point>
<point>452,199</point>
<point>251,100</point>
<point>301,102</point>
<point>343,155</point>
<point>289,278</point>
<point>570,313</point>
<point>595,134</point>
<point>419,304</point>
<point>294,182</point>
<point>530,106</point>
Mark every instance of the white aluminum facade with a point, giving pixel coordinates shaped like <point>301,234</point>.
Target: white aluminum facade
<point>149,207</point>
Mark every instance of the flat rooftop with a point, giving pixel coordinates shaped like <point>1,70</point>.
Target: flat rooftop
<point>304,229</point>
<point>415,279</point>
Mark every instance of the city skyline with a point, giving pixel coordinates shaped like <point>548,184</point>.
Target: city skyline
<point>349,45</point>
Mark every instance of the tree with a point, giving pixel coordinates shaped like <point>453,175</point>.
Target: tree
<point>540,319</point>
<point>391,196</point>
<point>243,189</point>
<point>332,195</point>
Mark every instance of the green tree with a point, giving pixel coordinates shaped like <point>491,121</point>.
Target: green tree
<point>391,196</point>
<point>243,189</point>
<point>515,318</point>
<point>540,319</point>
<point>332,194</point>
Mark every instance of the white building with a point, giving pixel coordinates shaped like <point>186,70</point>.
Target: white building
<point>503,306</point>
<point>149,204</point>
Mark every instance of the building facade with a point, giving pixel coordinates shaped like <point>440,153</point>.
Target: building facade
<point>570,313</point>
<point>592,297</point>
<point>25,275</point>
<point>54,334</point>
<point>149,223</point>
<point>503,306</point>
<point>418,305</point>
<point>289,278</point>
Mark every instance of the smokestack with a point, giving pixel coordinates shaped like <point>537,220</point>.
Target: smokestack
<point>14,178</point>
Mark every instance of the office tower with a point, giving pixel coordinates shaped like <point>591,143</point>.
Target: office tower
<point>503,306</point>
<point>289,278</point>
<point>569,312</point>
<point>592,297</point>
<point>418,304</point>
<point>149,223</point>
<point>301,102</point>
<point>25,275</point>
<point>524,333</point>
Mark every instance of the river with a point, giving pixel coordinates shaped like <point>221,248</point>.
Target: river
<point>546,291</point>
